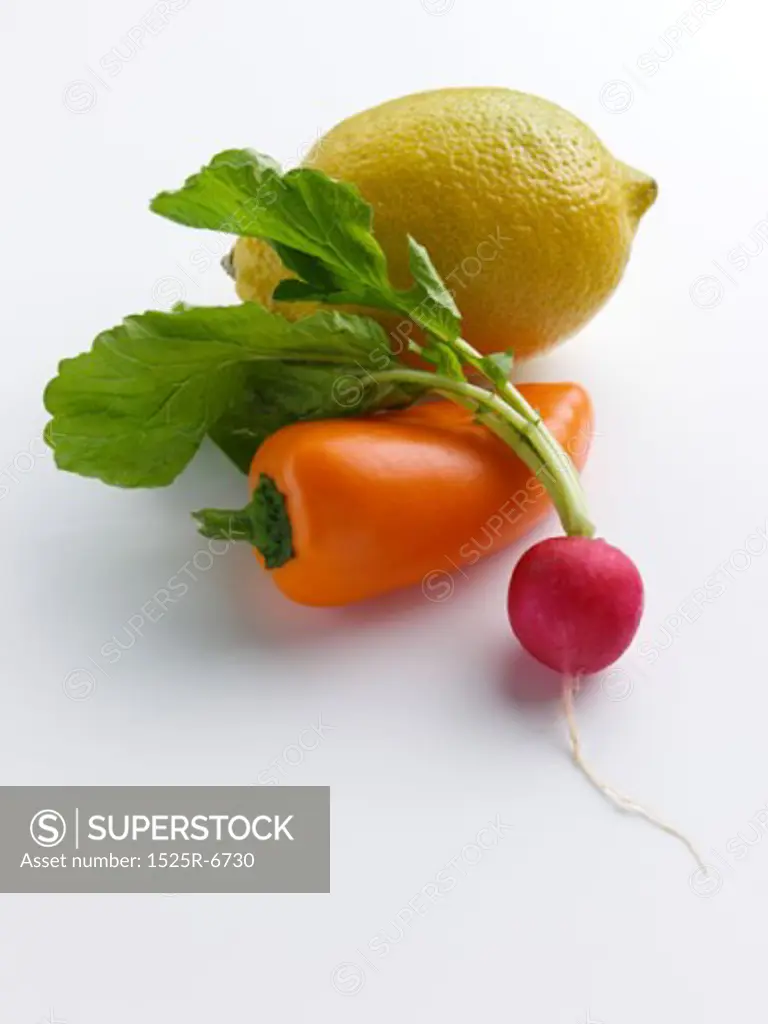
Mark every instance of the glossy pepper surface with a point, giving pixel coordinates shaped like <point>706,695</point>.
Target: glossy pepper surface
<point>398,498</point>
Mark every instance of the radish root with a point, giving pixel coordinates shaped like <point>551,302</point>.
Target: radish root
<point>619,800</point>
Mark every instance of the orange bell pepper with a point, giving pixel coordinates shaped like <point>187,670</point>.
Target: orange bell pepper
<point>382,502</point>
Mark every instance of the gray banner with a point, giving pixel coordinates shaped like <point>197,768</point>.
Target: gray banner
<point>166,839</point>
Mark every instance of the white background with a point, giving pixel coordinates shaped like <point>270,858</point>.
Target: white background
<point>578,913</point>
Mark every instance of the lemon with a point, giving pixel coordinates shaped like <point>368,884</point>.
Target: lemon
<point>525,213</point>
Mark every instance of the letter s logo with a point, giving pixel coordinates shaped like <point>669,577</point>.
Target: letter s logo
<point>48,828</point>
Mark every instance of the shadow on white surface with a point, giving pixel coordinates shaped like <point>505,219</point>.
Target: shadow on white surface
<point>525,681</point>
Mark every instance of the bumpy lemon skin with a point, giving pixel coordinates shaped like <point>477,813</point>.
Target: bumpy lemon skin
<point>526,214</point>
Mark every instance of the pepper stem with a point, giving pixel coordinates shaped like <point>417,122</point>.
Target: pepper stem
<point>264,522</point>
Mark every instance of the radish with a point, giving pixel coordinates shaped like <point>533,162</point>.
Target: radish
<point>575,603</point>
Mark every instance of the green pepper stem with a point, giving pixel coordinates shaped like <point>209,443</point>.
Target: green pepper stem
<point>516,423</point>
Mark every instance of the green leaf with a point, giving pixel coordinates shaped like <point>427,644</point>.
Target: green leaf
<point>291,290</point>
<point>313,275</point>
<point>322,231</point>
<point>134,410</point>
<point>272,395</point>
<point>223,194</point>
<point>444,358</point>
<point>264,523</point>
<point>327,222</point>
<point>497,367</point>
<point>429,302</point>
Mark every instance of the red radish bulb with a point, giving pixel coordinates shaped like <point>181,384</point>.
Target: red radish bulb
<point>575,603</point>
